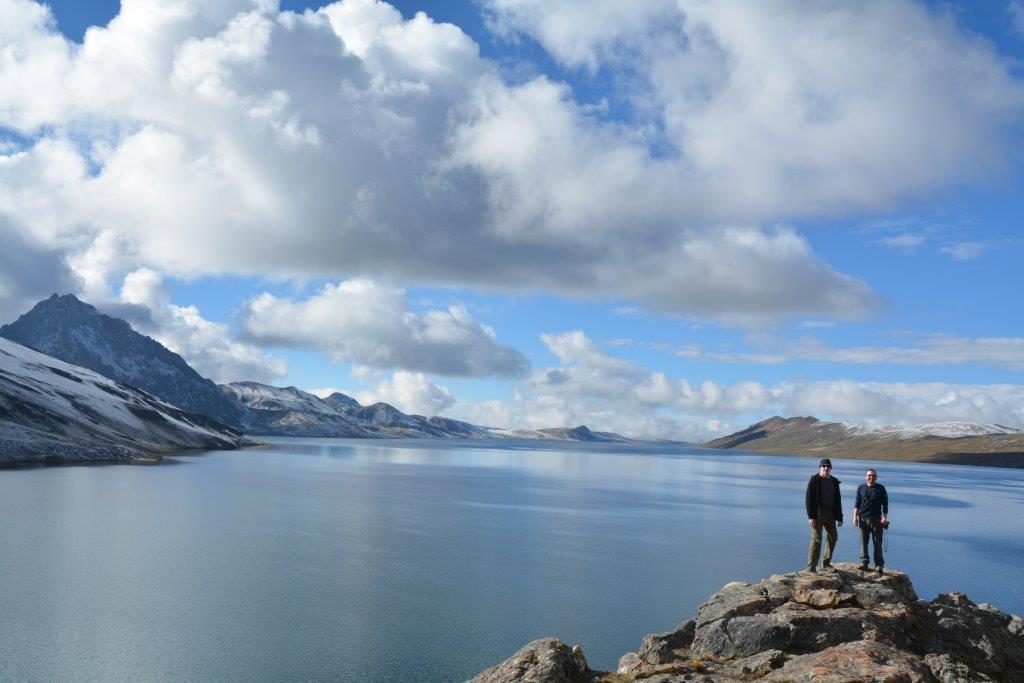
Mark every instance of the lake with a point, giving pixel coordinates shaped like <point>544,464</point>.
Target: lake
<point>428,560</point>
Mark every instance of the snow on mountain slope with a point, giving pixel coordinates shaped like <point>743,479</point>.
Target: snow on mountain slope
<point>51,411</point>
<point>76,333</point>
<point>274,411</point>
<point>945,430</point>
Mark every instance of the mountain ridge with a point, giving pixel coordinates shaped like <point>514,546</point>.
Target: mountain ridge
<point>68,329</point>
<point>964,443</point>
<point>75,332</point>
<point>52,412</point>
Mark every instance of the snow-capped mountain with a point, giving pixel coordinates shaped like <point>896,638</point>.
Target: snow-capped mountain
<point>272,411</point>
<point>581,433</point>
<point>952,442</point>
<point>942,430</point>
<point>55,412</point>
<point>75,332</point>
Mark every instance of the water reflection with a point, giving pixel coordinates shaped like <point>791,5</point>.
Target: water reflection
<point>371,560</point>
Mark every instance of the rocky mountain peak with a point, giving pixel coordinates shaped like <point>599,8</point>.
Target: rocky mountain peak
<point>73,331</point>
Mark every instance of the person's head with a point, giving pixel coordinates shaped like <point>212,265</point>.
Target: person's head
<point>871,477</point>
<point>825,467</point>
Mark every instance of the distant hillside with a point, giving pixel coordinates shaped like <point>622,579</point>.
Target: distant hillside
<point>967,443</point>
<point>273,411</point>
<point>75,332</point>
<point>54,412</point>
<point>581,433</point>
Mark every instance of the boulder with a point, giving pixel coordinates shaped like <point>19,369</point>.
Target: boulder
<point>851,662</point>
<point>547,659</point>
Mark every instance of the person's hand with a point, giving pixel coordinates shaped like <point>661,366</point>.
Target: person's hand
<point>839,522</point>
<point>856,520</point>
<point>813,523</point>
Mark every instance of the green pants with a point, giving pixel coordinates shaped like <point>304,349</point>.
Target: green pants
<point>829,524</point>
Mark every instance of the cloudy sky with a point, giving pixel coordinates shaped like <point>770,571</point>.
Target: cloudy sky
<point>659,217</point>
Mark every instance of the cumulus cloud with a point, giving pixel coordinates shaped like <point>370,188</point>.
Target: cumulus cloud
<point>360,321</point>
<point>760,99</point>
<point>411,392</point>
<point>353,140</point>
<point>607,393</point>
<point>206,346</point>
<point>29,272</point>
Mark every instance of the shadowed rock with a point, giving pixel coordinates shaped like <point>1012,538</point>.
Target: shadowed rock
<point>843,626</point>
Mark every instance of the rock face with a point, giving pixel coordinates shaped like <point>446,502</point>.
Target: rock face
<point>844,626</point>
<point>75,332</point>
<point>546,659</point>
<point>53,412</point>
<point>964,443</point>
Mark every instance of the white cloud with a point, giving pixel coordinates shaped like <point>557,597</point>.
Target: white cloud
<point>359,321</point>
<point>907,241</point>
<point>607,393</point>
<point>29,271</point>
<point>581,33</point>
<point>964,251</point>
<point>935,349</point>
<point>411,392</point>
<point>205,345</point>
<point>350,140</point>
<point>1016,11</point>
<point>324,392</point>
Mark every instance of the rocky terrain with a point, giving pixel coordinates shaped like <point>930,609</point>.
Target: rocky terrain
<point>845,626</point>
<point>963,443</point>
<point>76,333</point>
<point>52,412</point>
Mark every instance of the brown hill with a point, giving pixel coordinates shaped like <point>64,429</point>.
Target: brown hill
<point>953,443</point>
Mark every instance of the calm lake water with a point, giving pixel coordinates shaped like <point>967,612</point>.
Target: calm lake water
<point>415,560</point>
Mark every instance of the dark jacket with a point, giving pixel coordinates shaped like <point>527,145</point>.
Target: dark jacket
<point>814,495</point>
<point>872,502</point>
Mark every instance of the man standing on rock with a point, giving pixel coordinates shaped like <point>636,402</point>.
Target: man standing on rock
<point>871,515</point>
<point>824,510</point>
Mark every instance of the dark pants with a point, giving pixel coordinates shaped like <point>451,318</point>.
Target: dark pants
<point>871,527</point>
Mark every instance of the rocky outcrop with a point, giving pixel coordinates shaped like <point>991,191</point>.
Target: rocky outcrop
<point>842,626</point>
<point>546,659</point>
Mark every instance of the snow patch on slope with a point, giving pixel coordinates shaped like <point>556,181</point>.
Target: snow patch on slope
<point>944,430</point>
<point>52,408</point>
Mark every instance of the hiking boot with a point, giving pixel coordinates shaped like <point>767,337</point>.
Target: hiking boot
<point>811,570</point>
<point>827,567</point>
<point>880,570</point>
<point>864,567</point>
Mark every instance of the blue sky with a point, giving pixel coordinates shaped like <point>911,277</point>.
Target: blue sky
<point>666,217</point>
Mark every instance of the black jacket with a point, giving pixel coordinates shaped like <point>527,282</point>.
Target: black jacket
<point>814,494</point>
